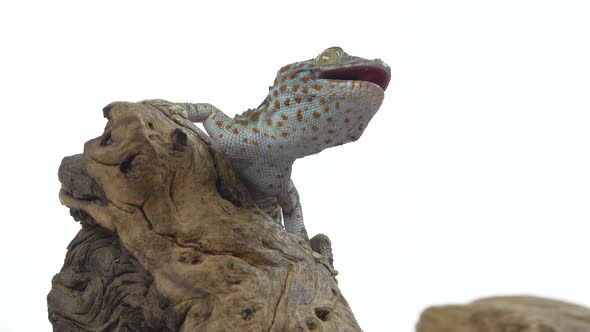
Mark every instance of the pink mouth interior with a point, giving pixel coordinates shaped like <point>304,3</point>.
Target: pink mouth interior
<point>373,74</point>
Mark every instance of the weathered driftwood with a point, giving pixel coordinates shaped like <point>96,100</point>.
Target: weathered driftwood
<point>172,241</point>
<point>507,314</point>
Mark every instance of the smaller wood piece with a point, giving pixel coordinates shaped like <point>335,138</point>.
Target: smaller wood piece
<point>172,241</point>
<point>507,314</point>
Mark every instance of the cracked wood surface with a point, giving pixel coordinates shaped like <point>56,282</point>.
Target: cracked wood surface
<point>171,240</point>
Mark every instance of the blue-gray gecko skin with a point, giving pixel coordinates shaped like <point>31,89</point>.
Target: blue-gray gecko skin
<point>313,105</point>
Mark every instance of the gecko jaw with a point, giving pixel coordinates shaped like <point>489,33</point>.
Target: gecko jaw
<point>376,74</point>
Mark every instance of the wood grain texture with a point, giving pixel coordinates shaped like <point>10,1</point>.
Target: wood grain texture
<point>172,241</point>
<point>507,314</point>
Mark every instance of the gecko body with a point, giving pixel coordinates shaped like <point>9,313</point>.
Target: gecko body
<point>313,105</point>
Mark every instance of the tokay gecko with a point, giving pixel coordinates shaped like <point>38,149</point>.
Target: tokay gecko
<point>313,105</point>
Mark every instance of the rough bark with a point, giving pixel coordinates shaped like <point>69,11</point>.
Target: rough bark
<point>507,314</point>
<point>171,241</point>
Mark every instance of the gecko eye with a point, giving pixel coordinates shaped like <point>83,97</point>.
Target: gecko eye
<point>329,56</point>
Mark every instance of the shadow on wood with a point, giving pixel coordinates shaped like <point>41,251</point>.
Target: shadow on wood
<point>172,241</point>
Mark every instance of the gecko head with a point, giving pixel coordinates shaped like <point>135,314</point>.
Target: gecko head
<point>335,65</point>
<point>330,99</point>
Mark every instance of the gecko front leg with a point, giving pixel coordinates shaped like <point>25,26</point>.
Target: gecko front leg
<point>292,214</point>
<point>320,245</point>
<point>198,112</point>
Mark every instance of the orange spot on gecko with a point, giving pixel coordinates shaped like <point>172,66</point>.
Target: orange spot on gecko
<point>328,141</point>
<point>228,126</point>
<point>298,99</point>
<point>284,69</point>
<point>287,102</point>
<point>241,122</point>
<point>305,79</point>
<point>304,90</point>
<point>329,119</point>
<point>315,138</point>
<point>295,88</point>
<point>255,130</point>
<point>279,123</point>
<point>275,93</point>
<point>255,143</point>
<point>236,131</point>
<point>314,128</point>
<point>316,114</point>
<point>337,105</point>
<point>331,131</point>
<point>326,109</point>
<point>284,117</point>
<point>346,120</point>
<point>322,101</point>
<point>219,124</point>
<point>269,122</point>
<point>284,134</point>
<point>254,116</point>
<point>283,88</point>
<point>299,115</point>
<point>277,104</point>
<point>318,87</point>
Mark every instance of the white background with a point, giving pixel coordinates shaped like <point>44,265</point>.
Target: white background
<point>472,180</point>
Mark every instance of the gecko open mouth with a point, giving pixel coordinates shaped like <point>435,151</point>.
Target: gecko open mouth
<point>375,74</point>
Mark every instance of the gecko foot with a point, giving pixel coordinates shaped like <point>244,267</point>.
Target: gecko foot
<point>174,108</point>
<point>320,247</point>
